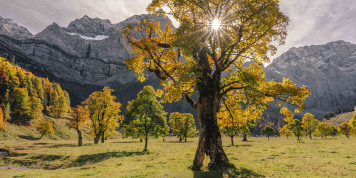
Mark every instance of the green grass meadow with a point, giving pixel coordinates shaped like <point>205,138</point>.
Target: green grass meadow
<point>259,157</point>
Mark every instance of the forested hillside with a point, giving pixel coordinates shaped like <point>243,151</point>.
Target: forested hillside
<point>24,98</point>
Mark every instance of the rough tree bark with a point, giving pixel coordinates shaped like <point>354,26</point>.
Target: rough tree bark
<point>208,105</point>
<point>232,140</point>
<point>210,143</point>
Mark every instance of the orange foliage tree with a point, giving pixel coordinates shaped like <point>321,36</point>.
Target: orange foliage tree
<point>79,118</point>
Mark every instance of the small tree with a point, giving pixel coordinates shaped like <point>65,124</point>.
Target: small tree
<point>285,131</point>
<point>335,132</point>
<point>145,116</point>
<point>310,124</point>
<point>45,128</point>
<point>103,112</point>
<point>268,131</point>
<point>234,117</point>
<point>296,127</point>
<point>183,125</point>
<point>345,129</point>
<point>245,129</point>
<point>79,118</point>
<point>324,129</point>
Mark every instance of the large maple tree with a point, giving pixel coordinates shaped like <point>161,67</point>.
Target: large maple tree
<point>205,55</point>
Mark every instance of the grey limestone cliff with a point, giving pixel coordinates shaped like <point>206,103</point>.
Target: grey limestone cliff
<point>329,71</point>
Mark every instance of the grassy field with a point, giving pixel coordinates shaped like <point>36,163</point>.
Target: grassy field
<point>277,157</point>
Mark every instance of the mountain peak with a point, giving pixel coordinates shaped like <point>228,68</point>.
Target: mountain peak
<point>328,71</point>
<point>85,17</point>
<point>90,26</point>
<point>9,27</point>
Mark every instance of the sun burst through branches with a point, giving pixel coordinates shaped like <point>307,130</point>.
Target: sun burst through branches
<point>215,24</point>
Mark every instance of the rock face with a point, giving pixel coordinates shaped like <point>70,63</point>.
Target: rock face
<point>83,57</point>
<point>89,53</point>
<point>10,28</point>
<point>328,70</point>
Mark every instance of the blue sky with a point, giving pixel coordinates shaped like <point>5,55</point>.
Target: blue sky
<point>312,21</point>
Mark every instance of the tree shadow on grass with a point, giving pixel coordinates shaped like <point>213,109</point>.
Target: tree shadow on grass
<point>99,157</point>
<point>49,157</point>
<point>243,145</point>
<point>28,137</point>
<point>128,142</point>
<point>178,141</point>
<point>68,145</point>
<point>231,172</point>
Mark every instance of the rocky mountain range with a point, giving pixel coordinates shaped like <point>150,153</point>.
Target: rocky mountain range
<point>89,53</point>
<point>329,71</point>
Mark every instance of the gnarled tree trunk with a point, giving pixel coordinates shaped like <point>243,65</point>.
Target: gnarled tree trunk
<point>210,143</point>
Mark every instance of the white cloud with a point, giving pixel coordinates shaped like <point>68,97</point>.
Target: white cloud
<point>315,22</point>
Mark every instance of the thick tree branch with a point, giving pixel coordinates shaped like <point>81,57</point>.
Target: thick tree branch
<point>191,102</point>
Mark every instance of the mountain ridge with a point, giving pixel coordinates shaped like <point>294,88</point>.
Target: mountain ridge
<point>328,70</point>
<point>77,59</point>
